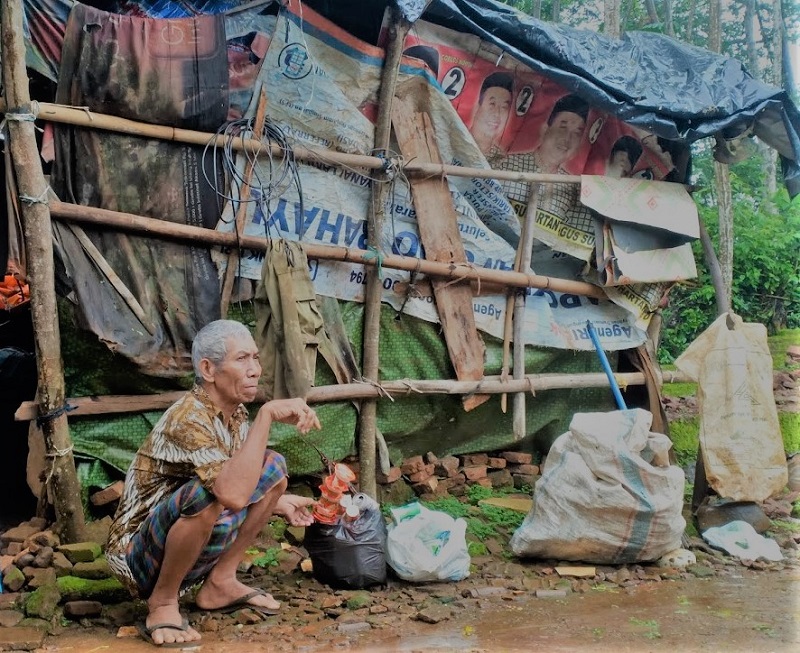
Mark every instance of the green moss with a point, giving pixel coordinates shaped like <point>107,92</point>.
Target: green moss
<point>107,590</point>
<point>476,549</point>
<point>359,600</point>
<point>43,602</point>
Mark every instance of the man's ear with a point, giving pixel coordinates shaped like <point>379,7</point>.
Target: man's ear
<point>207,369</point>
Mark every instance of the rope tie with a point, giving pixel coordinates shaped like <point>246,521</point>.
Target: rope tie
<point>374,253</point>
<point>383,392</point>
<point>41,199</point>
<point>53,414</point>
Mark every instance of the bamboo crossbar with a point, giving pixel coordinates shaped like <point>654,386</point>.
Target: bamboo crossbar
<point>112,404</point>
<point>82,117</point>
<point>152,227</point>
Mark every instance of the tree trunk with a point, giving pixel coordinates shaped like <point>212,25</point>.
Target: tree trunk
<point>722,175</point>
<point>689,34</point>
<point>62,481</point>
<point>536,9</point>
<point>777,80</point>
<point>611,18</point>
<point>556,11</point>
<point>669,27</point>
<point>652,14</point>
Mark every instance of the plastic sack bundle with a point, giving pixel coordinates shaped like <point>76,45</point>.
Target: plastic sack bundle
<point>350,554</point>
<point>427,545</point>
<point>607,494</point>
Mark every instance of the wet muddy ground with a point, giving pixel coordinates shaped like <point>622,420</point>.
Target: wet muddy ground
<point>739,610</point>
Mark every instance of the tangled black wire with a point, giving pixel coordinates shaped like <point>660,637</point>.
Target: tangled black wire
<point>271,176</point>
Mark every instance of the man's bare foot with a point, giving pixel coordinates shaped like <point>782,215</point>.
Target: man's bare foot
<point>215,594</point>
<point>169,614</point>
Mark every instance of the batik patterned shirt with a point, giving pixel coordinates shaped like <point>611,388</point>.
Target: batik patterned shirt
<point>191,439</point>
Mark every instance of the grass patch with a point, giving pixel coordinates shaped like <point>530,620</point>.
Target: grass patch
<point>779,343</point>
<point>684,434</point>
<point>790,430</point>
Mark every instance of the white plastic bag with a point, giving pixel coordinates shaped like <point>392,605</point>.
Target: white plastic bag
<point>427,545</point>
<point>738,538</point>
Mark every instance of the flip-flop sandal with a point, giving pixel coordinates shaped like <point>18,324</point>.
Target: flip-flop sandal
<point>146,632</point>
<point>243,602</point>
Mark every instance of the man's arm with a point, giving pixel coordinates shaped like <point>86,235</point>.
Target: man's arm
<point>239,475</point>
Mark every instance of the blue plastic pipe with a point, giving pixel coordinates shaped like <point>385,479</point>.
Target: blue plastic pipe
<point>606,367</point>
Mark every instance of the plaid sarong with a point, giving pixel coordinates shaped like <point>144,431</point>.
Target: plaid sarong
<point>146,549</point>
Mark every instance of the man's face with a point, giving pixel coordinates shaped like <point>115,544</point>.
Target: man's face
<point>619,165</point>
<point>492,114</point>
<point>236,377</point>
<point>562,138</point>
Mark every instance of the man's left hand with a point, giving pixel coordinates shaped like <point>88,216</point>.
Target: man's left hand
<point>295,509</point>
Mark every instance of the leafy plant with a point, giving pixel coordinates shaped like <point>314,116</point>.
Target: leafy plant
<point>267,558</point>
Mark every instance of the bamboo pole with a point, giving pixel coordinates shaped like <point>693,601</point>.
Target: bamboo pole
<point>115,404</point>
<point>518,370</point>
<point>62,481</point>
<point>154,227</point>
<point>241,212</point>
<point>370,366</point>
<point>82,117</point>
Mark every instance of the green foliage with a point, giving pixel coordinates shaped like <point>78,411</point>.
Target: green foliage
<point>476,493</point>
<point>476,549</point>
<point>451,505</point>
<point>766,276</point>
<point>268,558</point>
<point>480,529</point>
<point>790,431</point>
<point>684,436</point>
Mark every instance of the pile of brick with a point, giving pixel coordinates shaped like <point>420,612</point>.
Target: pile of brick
<point>431,477</point>
<point>39,574</point>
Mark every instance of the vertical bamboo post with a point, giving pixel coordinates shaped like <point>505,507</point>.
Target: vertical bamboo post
<point>367,428</point>
<point>62,480</point>
<point>518,370</point>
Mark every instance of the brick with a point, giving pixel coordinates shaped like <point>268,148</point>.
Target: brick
<point>21,638</point>
<point>530,470</point>
<point>447,466</point>
<point>108,494</point>
<point>501,478</point>
<point>81,551</point>
<point>5,561</point>
<point>44,558</point>
<point>474,459</point>
<point>60,563</point>
<point>79,609</point>
<point>483,482</point>
<point>13,579</point>
<point>496,463</point>
<point>517,457</point>
<point>45,538</point>
<point>39,523</point>
<point>524,480</point>
<point>447,483</point>
<point>10,618</point>
<point>13,548</point>
<point>95,570</point>
<point>431,458</point>
<point>394,475</point>
<point>19,533</point>
<point>421,475</point>
<point>23,558</point>
<point>413,465</point>
<point>429,485</point>
<point>473,473</point>
<point>39,577</point>
<point>8,600</point>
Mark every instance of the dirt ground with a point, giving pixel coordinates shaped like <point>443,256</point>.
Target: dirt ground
<point>737,610</point>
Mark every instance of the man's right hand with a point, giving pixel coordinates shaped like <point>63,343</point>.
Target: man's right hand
<point>293,411</point>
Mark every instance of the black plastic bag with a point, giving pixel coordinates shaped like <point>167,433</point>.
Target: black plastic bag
<point>349,554</point>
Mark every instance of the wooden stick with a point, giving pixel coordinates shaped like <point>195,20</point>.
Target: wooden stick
<point>107,270</point>
<point>113,404</point>
<point>241,212</point>
<point>398,28</point>
<point>90,119</point>
<point>188,233</point>
<point>62,484</point>
<point>526,252</point>
<point>507,325</point>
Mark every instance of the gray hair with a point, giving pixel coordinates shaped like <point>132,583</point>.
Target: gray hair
<point>211,342</point>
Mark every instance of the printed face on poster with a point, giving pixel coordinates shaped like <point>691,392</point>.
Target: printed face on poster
<point>521,120</point>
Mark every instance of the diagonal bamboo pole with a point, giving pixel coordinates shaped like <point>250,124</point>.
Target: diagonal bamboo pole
<point>62,480</point>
